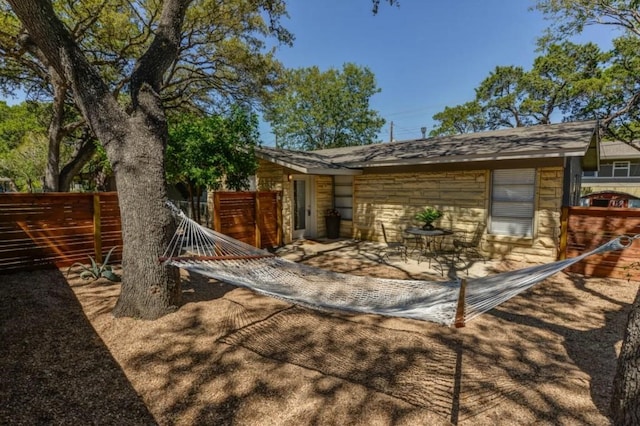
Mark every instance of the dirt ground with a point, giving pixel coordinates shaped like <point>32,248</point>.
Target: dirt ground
<point>229,356</point>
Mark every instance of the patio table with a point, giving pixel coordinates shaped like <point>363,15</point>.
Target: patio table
<point>431,243</point>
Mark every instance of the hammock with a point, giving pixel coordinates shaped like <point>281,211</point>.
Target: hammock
<point>210,253</point>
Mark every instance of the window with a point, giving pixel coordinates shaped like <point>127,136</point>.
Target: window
<point>512,202</point>
<point>343,196</point>
<point>620,169</point>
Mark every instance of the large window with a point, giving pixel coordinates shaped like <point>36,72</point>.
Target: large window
<point>343,195</point>
<point>512,202</point>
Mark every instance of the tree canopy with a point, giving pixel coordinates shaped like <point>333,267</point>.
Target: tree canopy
<point>617,101</point>
<point>221,59</point>
<point>511,96</point>
<point>208,152</point>
<point>317,110</point>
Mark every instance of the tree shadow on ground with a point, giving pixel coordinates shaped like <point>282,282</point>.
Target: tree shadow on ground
<point>55,368</point>
<point>583,344</point>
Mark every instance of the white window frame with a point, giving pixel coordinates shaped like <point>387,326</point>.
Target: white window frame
<point>621,165</point>
<point>343,195</point>
<point>513,202</point>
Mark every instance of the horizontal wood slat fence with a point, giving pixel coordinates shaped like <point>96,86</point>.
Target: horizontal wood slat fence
<point>252,217</point>
<point>42,230</point>
<point>58,229</point>
<point>585,228</point>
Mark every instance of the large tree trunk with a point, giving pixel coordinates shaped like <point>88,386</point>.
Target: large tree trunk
<point>625,402</point>
<point>148,290</point>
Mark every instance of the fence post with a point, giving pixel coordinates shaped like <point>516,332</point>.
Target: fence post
<point>217,224</point>
<point>564,230</point>
<point>257,214</point>
<point>279,227</point>
<point>97,232</point>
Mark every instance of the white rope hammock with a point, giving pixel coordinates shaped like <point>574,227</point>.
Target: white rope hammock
<point>204,251</point>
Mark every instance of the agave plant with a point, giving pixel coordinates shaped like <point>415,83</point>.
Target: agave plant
<point>97,270</point>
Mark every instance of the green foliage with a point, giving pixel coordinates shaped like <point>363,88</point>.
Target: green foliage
<point>209,151</point>
<point>318,110</point>
<point>95,270</point>
<point>17,121</point>
<point>429,215</point>
<point>614,96</point>
<point>25,164</point>
<point>223,58</point>
<point>466,118</point>
<point>577,81</point>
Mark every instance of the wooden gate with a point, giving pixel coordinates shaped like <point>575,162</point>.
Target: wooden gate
<point>585,228</point>
<point>251,217</point>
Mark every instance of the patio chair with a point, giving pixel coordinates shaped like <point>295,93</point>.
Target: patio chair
<point>398,247</point>
<point>467,245</point>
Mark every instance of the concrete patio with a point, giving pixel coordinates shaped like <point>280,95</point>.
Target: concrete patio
<point>371,253</point>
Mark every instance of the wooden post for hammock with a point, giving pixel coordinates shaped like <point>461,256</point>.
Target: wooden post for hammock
<point>460,308</point>
<point>97,231</point>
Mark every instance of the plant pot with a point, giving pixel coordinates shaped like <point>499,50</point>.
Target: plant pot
<point>428,227</point>
<point>333,226</point>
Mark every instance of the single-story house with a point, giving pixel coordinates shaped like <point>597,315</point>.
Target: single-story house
<point>619,169</point>
<point>511,183</point>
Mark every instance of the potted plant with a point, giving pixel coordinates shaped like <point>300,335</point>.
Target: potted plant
<point>332,221</point>
<point>428,216</point>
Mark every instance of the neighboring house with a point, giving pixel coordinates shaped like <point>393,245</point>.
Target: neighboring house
<point>619,170</point>
<point>609,199</point>
<point>512,183</point>
<point>7,185</point>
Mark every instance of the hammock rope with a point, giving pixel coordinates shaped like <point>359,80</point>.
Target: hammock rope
<point>210,253</point>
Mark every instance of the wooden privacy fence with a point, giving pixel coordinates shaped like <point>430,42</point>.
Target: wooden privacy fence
<point>251,217</point>
<point>585,228</point>
<point>40,230</point>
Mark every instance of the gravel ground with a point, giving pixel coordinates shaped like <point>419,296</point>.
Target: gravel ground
<point>229,356</point>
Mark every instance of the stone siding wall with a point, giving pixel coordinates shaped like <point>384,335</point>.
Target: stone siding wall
<point>463,196</point>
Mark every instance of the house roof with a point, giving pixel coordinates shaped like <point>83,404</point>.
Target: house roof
<point>618,150</point>
<point>577,139</point>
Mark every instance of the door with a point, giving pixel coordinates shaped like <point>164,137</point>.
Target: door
<point>303,208</point>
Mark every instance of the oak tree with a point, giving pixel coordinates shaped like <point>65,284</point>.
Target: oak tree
<point>134,133</point>
<point>318,110</point>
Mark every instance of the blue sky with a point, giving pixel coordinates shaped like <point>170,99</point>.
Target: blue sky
<point>425,54</point>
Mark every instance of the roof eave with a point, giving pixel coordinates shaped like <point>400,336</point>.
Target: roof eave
<point>468,159</point>
<point>309,170</point>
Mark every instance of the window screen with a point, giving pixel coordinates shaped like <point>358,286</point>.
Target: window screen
<point>343,195</point>
<point>512,202</point>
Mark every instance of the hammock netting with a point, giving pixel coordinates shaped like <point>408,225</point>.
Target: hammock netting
<point>212,254</point>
